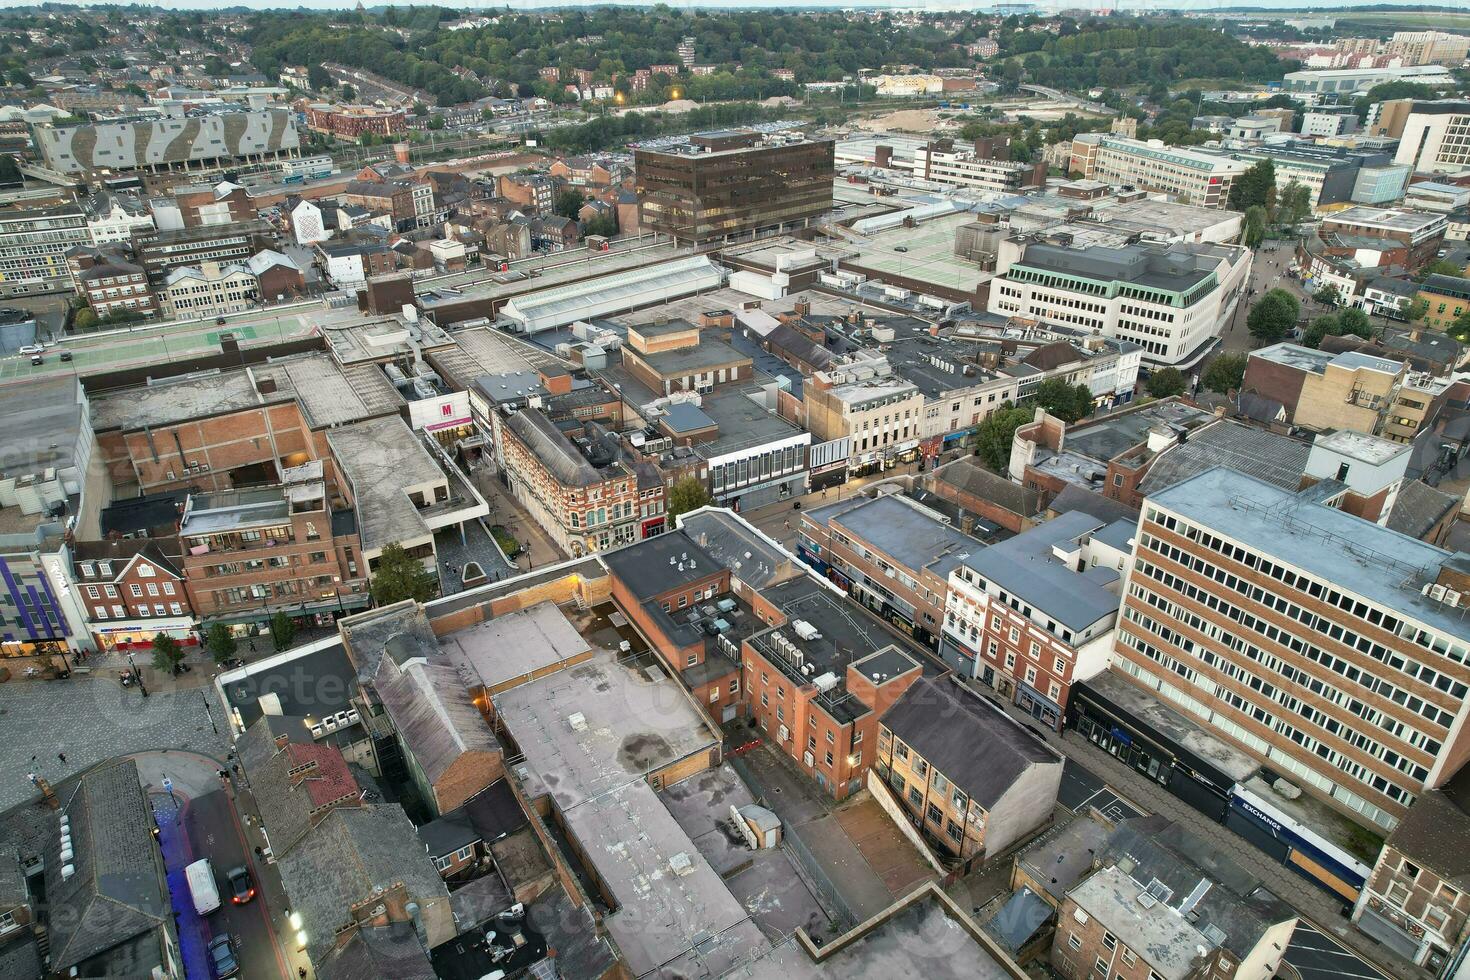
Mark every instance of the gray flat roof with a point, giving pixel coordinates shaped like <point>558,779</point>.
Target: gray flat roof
<point>382,457</point>
<point>234,510</point>
<point>742,423</point>
<point>515,645</point>
<point>1171,723</point>
<point>194,396</point>
<point>330,394</point>
<point>1025,567</point>
<point>1167,941</point>
<point>908,533</point>
<point>1295,356</point>
<point>635,720</point>
<point>1351,554</point>
<point>44,421</point>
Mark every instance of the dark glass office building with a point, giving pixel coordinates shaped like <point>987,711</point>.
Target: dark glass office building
<point>733,183</point>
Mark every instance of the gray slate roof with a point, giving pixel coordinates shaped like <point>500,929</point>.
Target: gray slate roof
<point>117,891</point>
<point>1277,459</point>
<point>1025,567</point>
<point>1418,508</point>
<point>967,475</point>
<point>975,745</point>
<point>350,854</point>
<point>431,708</point>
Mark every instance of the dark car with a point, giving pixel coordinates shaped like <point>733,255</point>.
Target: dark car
<point>242,889</point>
<point>220,321</point>
<point>222,956</point>
<point>65,355</point>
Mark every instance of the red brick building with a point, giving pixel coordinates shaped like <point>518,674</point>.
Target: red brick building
<point>132,590</point>
<point>351,121</point>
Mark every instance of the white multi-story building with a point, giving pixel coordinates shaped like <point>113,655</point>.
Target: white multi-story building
<point>33,247</point>
<point>1436,138</point>
<point>1171,301</point>
<point>209,289</point>
<point>1346,81</point>
<point>110,219</point>
<point>1192,176</point>
<point>966,168</point>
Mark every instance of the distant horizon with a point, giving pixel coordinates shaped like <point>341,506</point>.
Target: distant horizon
<point>937,6</point>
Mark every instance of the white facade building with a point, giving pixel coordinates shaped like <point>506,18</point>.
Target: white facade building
<point>308,225</point>
<point>1191,176</point>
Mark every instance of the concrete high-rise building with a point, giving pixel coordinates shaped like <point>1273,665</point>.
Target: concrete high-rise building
<point>33,247</point>
<point>1327,647</point>
<point>188,141</point>
<point>1428,47</point>
<point>1434,137</point>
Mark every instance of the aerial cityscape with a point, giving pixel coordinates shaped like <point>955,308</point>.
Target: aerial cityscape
<point>734,491</point>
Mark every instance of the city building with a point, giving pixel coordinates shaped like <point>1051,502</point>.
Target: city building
<point>1191,176</point>
<point>728,183</point>
<point>818,679</point>
<point>1162,902</point>
<point>133,590</point>
<point>216,135</point>
<point>349,122</point>
<point>889,553</point>
<point>586,487</point>
<point>975,167</point>
<point>1349,81</point>
<point>1361,392</point>
<point>249,554</point>
<point>1031,615</point>
<point>1362,705</point>
<point>116,218</point>
<point>1428,48</point>
<point>33,247</point>
<point>1172,301</point>
<point>112,286</point>
<point>209,289</point>
<point>1328,121</point>
<point>160,252</point>
<point>974,781</point>
<point>1432,135</point>
<point>880,417</point>
<point>1416,902</point>
<point>1331,173</point>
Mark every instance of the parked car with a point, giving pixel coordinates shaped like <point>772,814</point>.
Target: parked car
<point>242,889</point>
<point>222,956</point>
<point>37,359</point>
<point>30,349</point>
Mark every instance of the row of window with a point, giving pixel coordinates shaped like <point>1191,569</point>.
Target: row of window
<point>96,592</point>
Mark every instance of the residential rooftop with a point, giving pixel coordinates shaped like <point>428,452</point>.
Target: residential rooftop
<point>906,532</point>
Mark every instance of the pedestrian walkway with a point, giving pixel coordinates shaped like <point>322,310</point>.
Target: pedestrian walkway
<point>1322,909</point>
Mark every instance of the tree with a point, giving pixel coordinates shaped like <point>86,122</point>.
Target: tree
<point>1254,188</point>
<point>991,439</point>
<point>1067,402</point>
<point>1167,383</point>
<point>283,630</point>
<point>1440,267</point>
<point>1328,295</point>
<point>1459,328</point>
<point>1254,228</point>
<point>1294,204</point>
<point>1416,309</point>
<point>686,494</point>
<point>1225,373</point>
<point>220,642</point>
<point>569,202</point>
<point>167,652</point>
<point>401,576</point>
<point>606,226</point>
<point>436,121</point>
<point>1336,324</point>
<point>349,94</point>
<point>1274,316</point>
<point>318,77</point>
<point>84,319</point>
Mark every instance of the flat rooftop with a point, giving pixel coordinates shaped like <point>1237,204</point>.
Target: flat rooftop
<point>354,337</point>
<point>515,645</point>
<point>906,532</point>
<point>1361,446</point>
<point>1166,938</point>
<point>540,272</point>
<point>44,424</point>
<point>743,422</point>
<point>1295,356</point>
<point>1115,434</point>
<point>590,735</point>
<point>382,459</point>
<point>1172,724</point>
<point>330,394</point>
<point>235,510</point>
<point>169,401</point>
<point>1393,219</point>
<point>927,256</point>
<point>1355,555</point>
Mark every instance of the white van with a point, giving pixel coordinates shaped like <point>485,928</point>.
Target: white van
<point>202,888</point>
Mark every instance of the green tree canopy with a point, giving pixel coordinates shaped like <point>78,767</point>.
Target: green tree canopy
<point>1225,373</point>
<point>1294,204</point>
<point>1254,188</point>
<point>283,630</point>
<point>318,77</point>
<point>1067,402</point>
<point>991,439</point>
<point>84,319</point>
<point>569,202</point>
<point>1274,316</point>
<point>1328,295</point>
<point>1440,267</point>
<point>1336,324</point>
<point>167,652</point>
<point>401,576</point>
<point>1167,382</point>
<point>686,494</point>
<point>220,642</point>
<point>1253,228</point>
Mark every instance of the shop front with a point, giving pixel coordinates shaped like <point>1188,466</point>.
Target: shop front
<point>1157,742</point>
<point>1295,842</point>
<point>1038,705</point>
<point>138,634</point>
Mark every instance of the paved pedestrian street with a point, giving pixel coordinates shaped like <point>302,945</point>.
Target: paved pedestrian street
<point>92,719</point>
